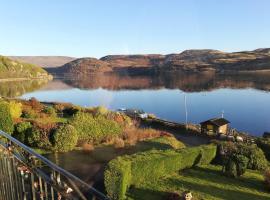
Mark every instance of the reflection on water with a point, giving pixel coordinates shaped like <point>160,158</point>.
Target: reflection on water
<point>185,82</point>
<point>244,98</point>
<point>17,88</point>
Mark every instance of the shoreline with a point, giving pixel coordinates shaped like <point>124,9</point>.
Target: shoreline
<point>23,79</point>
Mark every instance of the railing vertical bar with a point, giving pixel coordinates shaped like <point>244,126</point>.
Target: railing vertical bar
<point>40,188</point>
<point>52,191</point>
<point>23,185</point>
<point>15,175</point>
<point>33,186</point>
<point>6,178</point>
<point>10,178</point>
<point>46,190</point>
<point>2,176</point>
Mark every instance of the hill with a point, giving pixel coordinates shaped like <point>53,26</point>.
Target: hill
<point>200,60</point>
<point>44,61</point>
<point>11,69</point>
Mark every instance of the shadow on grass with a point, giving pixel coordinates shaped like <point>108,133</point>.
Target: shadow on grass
<point>211,176</point>
<point>205,183</point>
<point>216,192</point>
<point>146,194</point>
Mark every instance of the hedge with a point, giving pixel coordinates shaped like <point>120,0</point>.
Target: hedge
<point>117,178</point>
<point>152,165</point>
<point>264,144</point>
<point>6,122</point>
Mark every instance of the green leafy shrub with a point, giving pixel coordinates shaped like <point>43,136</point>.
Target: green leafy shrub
<point>101,110</point>
<point>50,110</point>
<point>21,130</point>
<point>152,165</point>
<point>65,138</point>
<point>41,134</point>
<point>6,122</point>
<point>236,165</point>
<point>94,129</point>
<point>207,154</point>
<point>256,157</point>
<point>264,144</point>
<point>33,137</point>
<point>70,110</point>
<point>29,114</point>
<point>170,141</point>
<point>15,109</point>
<point>117,178</point>
<point>230,168</point>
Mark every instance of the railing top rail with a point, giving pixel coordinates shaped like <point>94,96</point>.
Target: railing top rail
<point>53,166</point>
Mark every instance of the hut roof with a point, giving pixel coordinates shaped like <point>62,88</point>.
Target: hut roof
<point>217,121</point>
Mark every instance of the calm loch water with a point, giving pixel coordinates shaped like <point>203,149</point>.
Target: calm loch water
<point>245,100</point>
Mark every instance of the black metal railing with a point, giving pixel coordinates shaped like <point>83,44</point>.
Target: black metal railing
<point>26,175</point>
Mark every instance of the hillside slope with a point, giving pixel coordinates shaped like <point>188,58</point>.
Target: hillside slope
<point>187,61</point>
<point>44,61</point>
<point>14,69</point>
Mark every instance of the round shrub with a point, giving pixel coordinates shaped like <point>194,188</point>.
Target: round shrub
<point>33,137</point>
<point>65,138</point>
<point>6,122</point>
<point>236,165</point>
<point>21,130</point>
<point>15,109</point>
<point>230,169</point>
<point>49,110</point>
<point>256,157</point>
<point>101,110</point>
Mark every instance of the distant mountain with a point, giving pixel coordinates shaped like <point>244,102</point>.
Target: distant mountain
<point>204,60</point>
<point>14,69</point>
<point>44,61</point>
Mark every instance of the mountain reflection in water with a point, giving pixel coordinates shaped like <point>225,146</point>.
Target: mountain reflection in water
<point>186,82</point>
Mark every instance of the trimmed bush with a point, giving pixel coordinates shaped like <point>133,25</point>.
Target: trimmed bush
<point>256,157</point>
<point>6,122</point>
<point>117,178</point>
<point>101,110</point>
<point>49,110</point>
<point>152,165</point>
<point>94,129</point>
<point>21,130</point>
<point>15,109</point>
<point>230,169</point>
<point>208,153</point>
<point>264,144</point>
<point>32,137</point>
<point>65,138</point>
<point>155,164</point>
<point>169,141</point>
<point>236,165</point>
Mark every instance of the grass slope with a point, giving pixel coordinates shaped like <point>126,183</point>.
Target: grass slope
<point>14,69</point>
<point>205,183</point>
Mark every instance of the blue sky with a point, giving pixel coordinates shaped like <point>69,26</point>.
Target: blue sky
<point>97,27</point>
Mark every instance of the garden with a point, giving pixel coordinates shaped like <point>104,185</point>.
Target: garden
<point>141,163</point>
<point>63,127</point>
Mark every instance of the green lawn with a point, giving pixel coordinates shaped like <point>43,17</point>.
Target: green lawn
<point>205,183</point>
